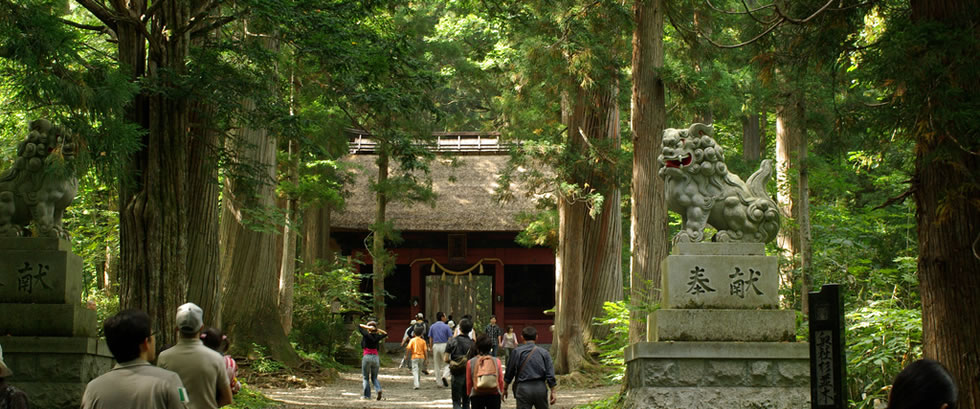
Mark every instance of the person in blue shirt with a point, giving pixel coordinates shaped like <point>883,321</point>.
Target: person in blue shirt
<point>439,334</point>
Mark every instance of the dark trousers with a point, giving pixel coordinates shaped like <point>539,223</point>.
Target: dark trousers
<point>460,399</point>
<point>531,394</point>
<point>485,401</point>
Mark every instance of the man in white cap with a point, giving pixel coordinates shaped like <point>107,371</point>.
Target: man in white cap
<point>200,368</point>
<point>10,397</point>
<point>133,382</point>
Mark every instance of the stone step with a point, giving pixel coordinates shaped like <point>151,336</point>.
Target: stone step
<point>730,375</point>
<point>721,325</point>
<point>54,320</point>
<point>53,371</point>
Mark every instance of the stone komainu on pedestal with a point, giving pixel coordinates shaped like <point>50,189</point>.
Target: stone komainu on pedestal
<point>700,188</point>
<point>49,339</point>
<point>40,185</point>
<point>719,339</point>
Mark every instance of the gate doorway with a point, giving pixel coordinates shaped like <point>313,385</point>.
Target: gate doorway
<point>457,296</point>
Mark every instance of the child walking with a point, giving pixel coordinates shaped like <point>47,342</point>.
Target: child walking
<point>418,348</point>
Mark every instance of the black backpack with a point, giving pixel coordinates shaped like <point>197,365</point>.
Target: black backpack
<point>457,359</point>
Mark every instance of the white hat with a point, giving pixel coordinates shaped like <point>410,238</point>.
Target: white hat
<point>419,315</point>
<point>4,371</point>
<point>190,318</point>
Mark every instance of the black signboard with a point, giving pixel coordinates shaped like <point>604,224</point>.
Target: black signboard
<point>827,361</point>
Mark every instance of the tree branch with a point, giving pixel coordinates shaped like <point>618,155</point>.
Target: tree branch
<point>213,26</point>
<point>199,17</point>
<point>100,29</point>
<point>778,23</point>
<point>796,21</point>
<point>148,14</point>
<point>897,199</point>
<point>104,15</point>
<point>747,11</point>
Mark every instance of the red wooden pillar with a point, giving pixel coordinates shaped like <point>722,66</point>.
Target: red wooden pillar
<point>498,293</point>
<point>416,290</point>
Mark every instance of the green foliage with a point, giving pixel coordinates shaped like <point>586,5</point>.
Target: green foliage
<point>612,402</point>
<point>616,315</point>
<point>882,338</point>
<point>261,363</point>
<point>321,292</point>
<point>248,398</point>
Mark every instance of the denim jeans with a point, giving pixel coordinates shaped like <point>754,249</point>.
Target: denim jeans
<point>416,369</point>
<point>370,364</point>
<point>460,399</point>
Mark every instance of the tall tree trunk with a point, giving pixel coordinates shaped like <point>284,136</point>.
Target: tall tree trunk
<point>569,348</point>
<point>249,263</point>
<point>947,214</point>
<point>789,128</point>
<point>602,248</point>
<point>287,269</point>
<point>316,235</point>
<point>648,216</point>
<point>752,137</point>
<point>378,252</point>
<point>204,211</point>
<point>153,220</point>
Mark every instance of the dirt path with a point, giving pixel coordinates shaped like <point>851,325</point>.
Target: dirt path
<point>396,385</point>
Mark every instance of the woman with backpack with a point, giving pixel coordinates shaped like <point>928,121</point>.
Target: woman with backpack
<point>484,376</point>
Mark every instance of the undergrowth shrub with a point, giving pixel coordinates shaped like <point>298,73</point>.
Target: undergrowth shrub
<point>322,292</point>
<point>882,338</point>
<point>616,315</point>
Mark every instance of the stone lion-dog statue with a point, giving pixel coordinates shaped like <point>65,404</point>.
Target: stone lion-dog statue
<point>39,186</point>
<point>700,188</point>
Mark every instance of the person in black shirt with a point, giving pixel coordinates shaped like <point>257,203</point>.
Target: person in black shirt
<point>494,333</point>
<point>532,372</point>
<point>371,338</point>
<point>458,347</point>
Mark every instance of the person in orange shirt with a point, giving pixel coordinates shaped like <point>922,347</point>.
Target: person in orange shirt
<point>418,348</point>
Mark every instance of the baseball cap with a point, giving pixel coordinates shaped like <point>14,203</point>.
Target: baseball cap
<point>4,370</point>
<point>190,318</point>
<point>419,315</point>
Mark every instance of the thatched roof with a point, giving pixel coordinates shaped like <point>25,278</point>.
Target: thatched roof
<point>465,198</point>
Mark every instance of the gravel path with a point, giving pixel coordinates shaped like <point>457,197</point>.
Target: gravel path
<point>398,393</point>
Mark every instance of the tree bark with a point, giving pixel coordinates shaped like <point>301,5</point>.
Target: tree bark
<point>751,137</point>
<point>648,216</point>
<point>379,253</point>
<point>569,348</point>
<point>287,269</point>
<point>204,211</point>
<point>947,215</point>
<point>153,219</point>
<point>602,248</point>
<point>316,235</point>
<point>249,264</point>
<point>789,130</point>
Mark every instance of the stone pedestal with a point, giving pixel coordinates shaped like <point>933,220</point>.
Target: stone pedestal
<point>719,340</point>
<point>49,339</point>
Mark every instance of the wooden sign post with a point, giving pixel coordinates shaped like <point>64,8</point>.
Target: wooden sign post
<point>827,362</point>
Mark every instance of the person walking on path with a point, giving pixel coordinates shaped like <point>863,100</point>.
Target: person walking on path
<point>409,334</point>
<point>458,330</point>
<point>218,342</point>
<point>532,373</point>
<point>371,338</point>
<point>484,376</point>
<point>418,349</point>
<point>200,368</point>
<point>458,352</point>
<point>133,382</point>
<point>439,334</point>
<point>10,397</point>
<point>508,342</point>
<point>493,332</point>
